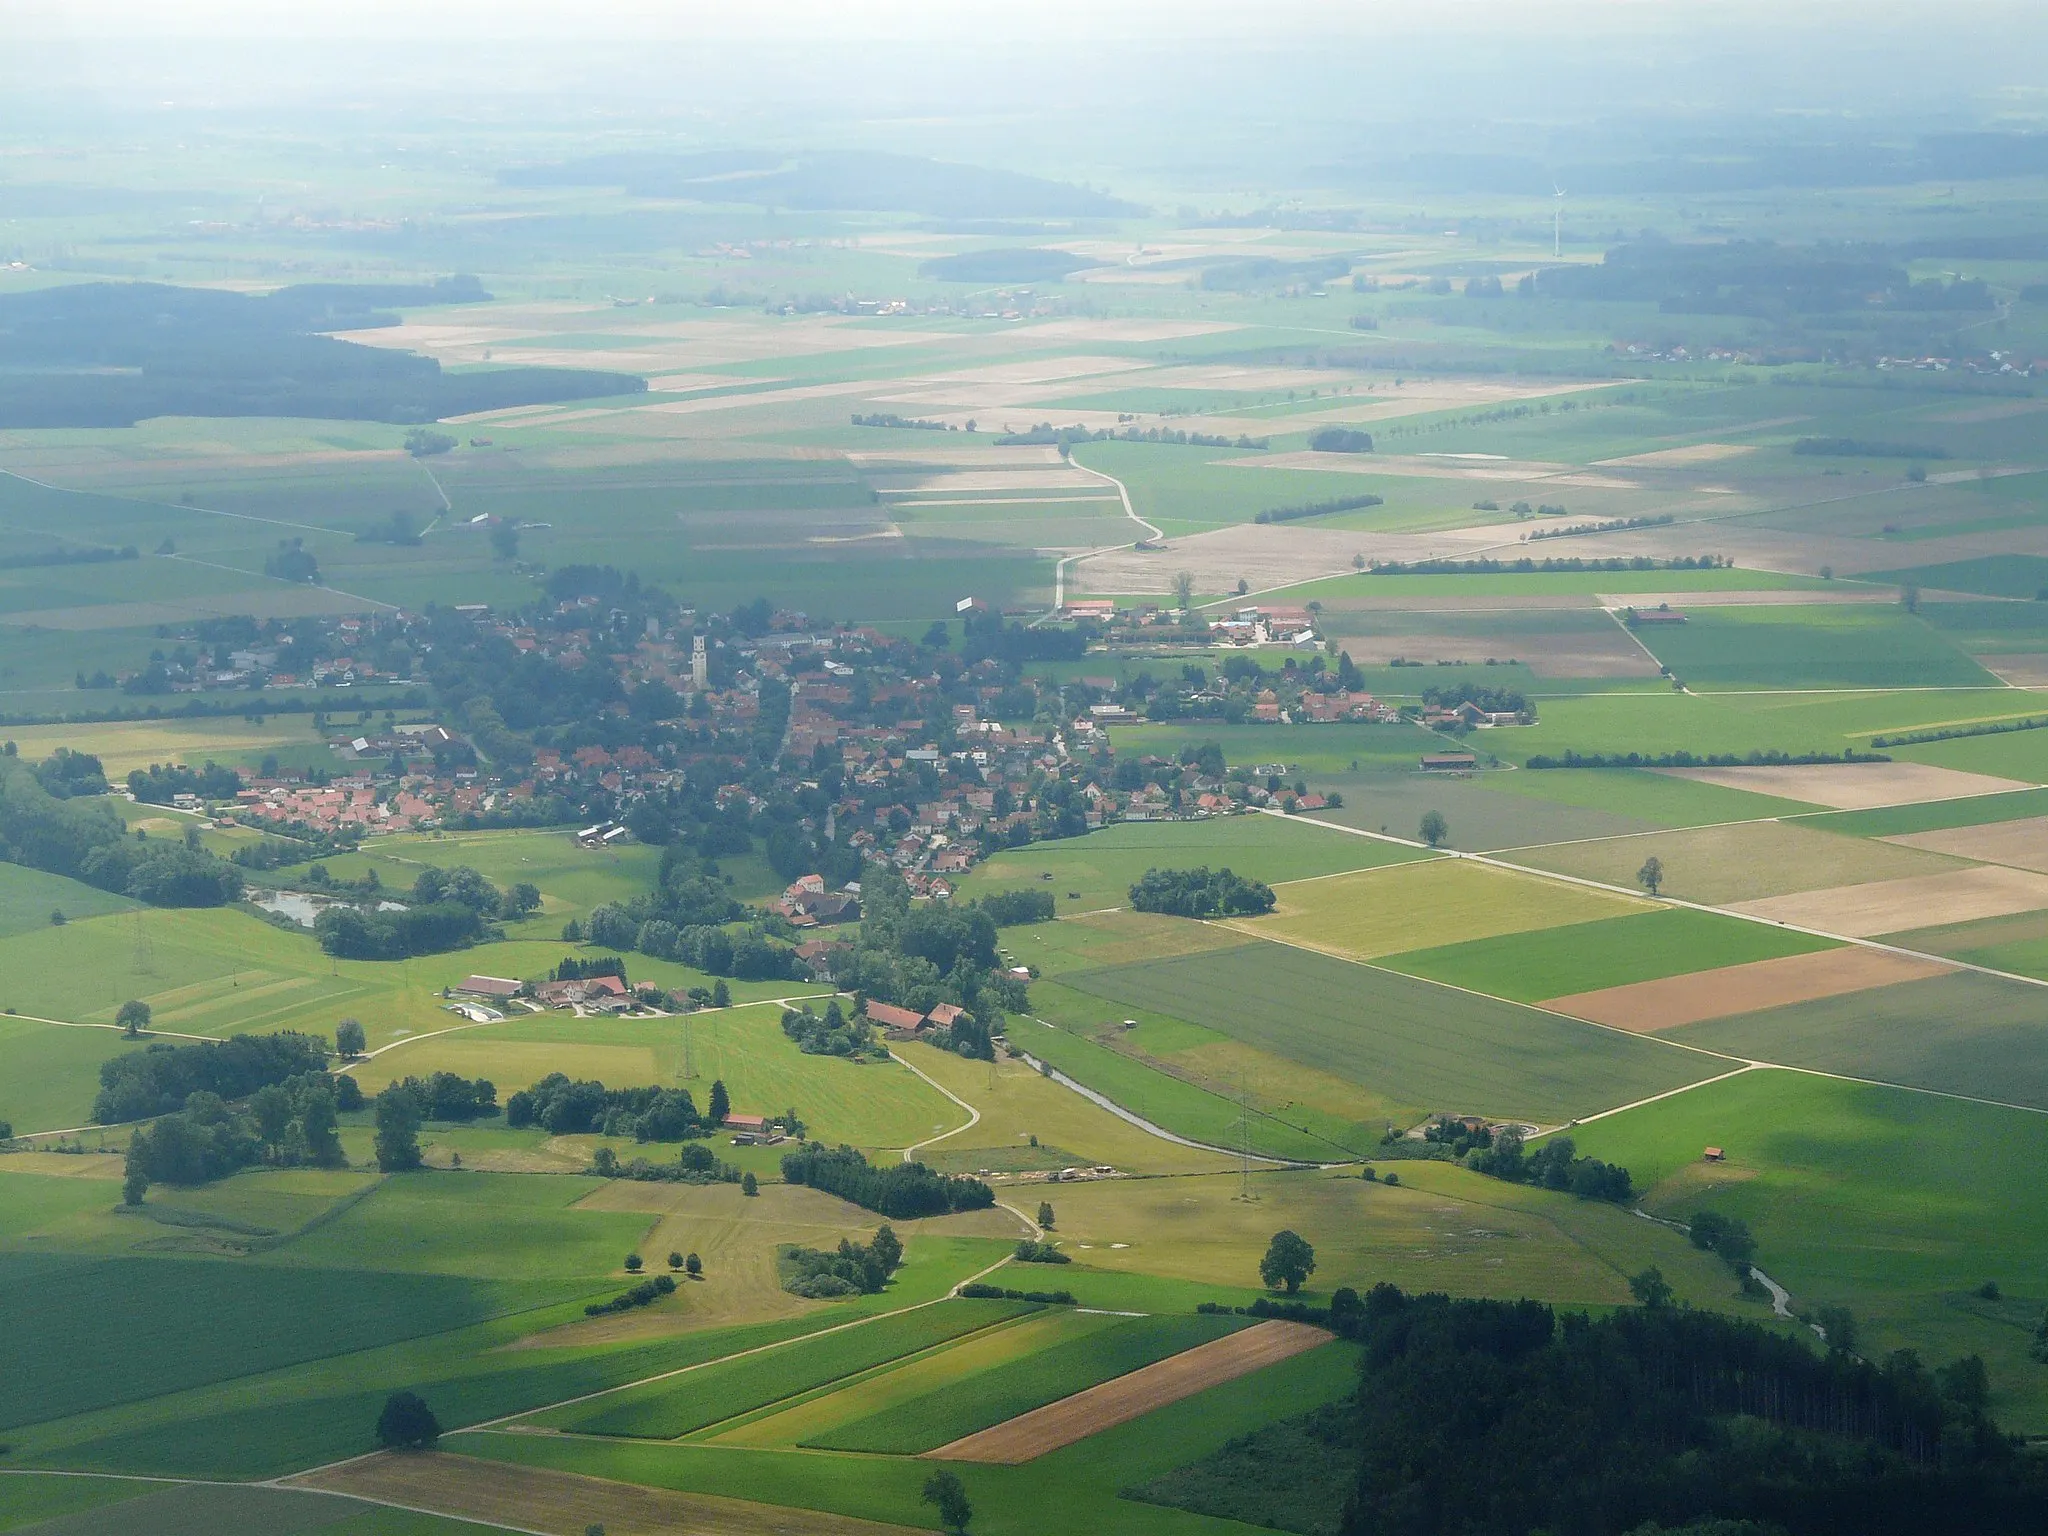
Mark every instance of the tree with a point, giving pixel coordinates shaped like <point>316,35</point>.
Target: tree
<point>720,1104</point>
<point>136,1185</point>
<point>1909,597</point>
<point>1288,1262</point>
<point>1649,1288</point>
<point>505,540</point>
<point>57,917</point>
<point>634,1263</point>
<point>407,1423</point>
<point>1045,1215</point>
<point>693,1267</point>
<point>1838,1325</point>
<point>398,1130</point>
<point>944,1490</point>
<point>349,1038</point>
<point>675,1261</point>
<point>133,1018</point>
<point>1651,875</point>
<point>721,994</point>
<point>749,1185</point>
<point>1184,591</point>
<point>1434,828</point>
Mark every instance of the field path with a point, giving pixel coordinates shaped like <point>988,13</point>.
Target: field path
<point>1059,571</point>
<point>1031,1435</point>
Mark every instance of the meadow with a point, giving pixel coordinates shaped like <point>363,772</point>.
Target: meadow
<point>1897,1205</point>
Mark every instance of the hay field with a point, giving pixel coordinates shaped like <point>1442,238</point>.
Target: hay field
<point>124,745</point>
<point>1649,1006</point>
<point>1889,906</point>
<point>1128,1397</point>
<point>1747,862</point>
<point>1852,786</point>
<point>2021,844</point>
<point>1383,912</point>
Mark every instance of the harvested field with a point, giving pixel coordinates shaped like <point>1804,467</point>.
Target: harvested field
<point>1892,906</point>
<point>2020,844</point>
<point>2028,670</point>
<point>1605,651</point>
<point>1059,1424</point>
<point>1384,911</point>
<point>567,1503</point>
<point>1853,786</point>
<point>1681,458</point>
<point>1747,861</point>
<point>1427,467</point>
<point>1648,1006</point>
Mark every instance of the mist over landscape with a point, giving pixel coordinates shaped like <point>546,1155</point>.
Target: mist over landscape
<point>1158,769</point>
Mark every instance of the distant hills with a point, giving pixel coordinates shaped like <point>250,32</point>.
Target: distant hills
<point>845,180</point>
<point>113,354</point>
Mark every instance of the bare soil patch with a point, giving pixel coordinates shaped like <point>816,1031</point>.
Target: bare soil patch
<point>2021,844</point>
<point>1649,1006</point>
<point>1059,1424</point>
<point>1893,906</point>
<point>2022,671</point>
<point>1832,597</point>
<point>567,1503</point>
<point>1853,786</point>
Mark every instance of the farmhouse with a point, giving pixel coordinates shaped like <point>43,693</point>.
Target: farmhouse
<point>1449,762</point>
<point>606,992</point>
<point>889,1016</point>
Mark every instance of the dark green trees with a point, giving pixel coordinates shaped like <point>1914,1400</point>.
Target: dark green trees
<point>1288,1263</point>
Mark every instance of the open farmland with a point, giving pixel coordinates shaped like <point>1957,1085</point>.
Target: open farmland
<point>1849,647</point>
<point>1379,913</point>
<point>1098,871</point>
<point>1605,953</point>
<point>1089,1412</point>
<point>992,1400</point>
<point>1673,1001</point>
<point>1411,1040</point>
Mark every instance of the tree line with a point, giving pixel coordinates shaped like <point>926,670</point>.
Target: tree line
<point>900,1191</point>
<point>1200,892</point>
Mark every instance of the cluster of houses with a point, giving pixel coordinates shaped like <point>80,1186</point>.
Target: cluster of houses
<point>589,996</point>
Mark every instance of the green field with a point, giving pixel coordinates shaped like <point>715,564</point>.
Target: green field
<point>53,1072</point>
<point>1074,1488</point>
<point>1810,647</point>
<point>1097,871</point>
<point>29,898</point>
<point>1384,912</point>
<point>1895,1204</point>
<point>151,1509</point>
<point>1611,952</point>
<point>671,1409</point>
<point>1935,815</point>
<point>1004,1391</point>
<point>1410,1040</point>
<point>1657,798</point>
<point>1980,1036</point>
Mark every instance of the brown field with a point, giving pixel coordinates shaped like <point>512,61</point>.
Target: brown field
<point>1852,786</point>
<point>2021,671</point>
<point>1649,1006</point>
<point>1681,458</point>
<point>1747,861</point>
<point>1611,652</point>
<point>567,1503</point>
<point>1059,1424</point>
<point>1892,906</point>
<point>2021,844</point>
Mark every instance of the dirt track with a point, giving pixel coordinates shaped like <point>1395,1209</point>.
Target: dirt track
<point>1033,1434</point>
<point>567,1504</point>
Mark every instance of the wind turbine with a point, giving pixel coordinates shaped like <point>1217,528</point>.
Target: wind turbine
<point>1557,221</point>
